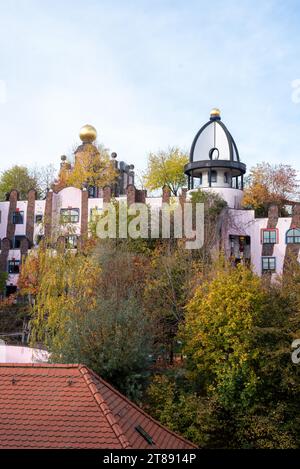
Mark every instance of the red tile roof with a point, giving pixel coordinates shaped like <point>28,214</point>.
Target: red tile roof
<point>69,406</point>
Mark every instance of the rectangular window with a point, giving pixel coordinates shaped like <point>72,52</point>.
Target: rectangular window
<point>226,179</point>
<point>213,176</point>
<point>18,218</point>
<point>0,216</point>
<point>93,192</point>
<point>38,218</point>
<point>13,266</point>
<point>269,236</point>
<point>69,215</point>
<point>71,242</point>
<point>17,242</point>
<point>269,264</point>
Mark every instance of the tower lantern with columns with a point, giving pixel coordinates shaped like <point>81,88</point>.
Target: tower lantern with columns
<point>215,163</point>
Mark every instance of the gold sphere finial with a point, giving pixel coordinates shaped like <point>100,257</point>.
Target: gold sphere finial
<point>215,112</point>
<point>88,134</point>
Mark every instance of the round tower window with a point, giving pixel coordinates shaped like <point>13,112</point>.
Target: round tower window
<point>214,154</point>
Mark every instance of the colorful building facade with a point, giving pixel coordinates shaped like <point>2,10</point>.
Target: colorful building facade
<point>214,166</point>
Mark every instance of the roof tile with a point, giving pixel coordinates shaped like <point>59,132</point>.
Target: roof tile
<point>69,406</point>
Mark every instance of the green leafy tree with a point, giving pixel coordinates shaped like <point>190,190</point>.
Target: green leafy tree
<point>3,279</point>
<point>214,213</point>
<point>20,178</point>
<point>87,308</point>
<point>112,339</point>
<point>170,283</point>
<point>165,168</point>
<point>218,333</point>
<point>238,376</point>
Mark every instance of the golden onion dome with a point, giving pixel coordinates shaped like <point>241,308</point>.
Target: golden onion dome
<point>215,112</point>
<point>88,134</point>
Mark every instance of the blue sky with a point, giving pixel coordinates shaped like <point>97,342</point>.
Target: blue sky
<point>146,74</point>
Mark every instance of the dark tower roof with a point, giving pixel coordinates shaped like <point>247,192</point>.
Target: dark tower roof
<point>214,147</point>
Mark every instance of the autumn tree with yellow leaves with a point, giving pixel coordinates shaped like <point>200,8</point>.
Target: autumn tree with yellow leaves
<point>61,284</point>
<point>238,387</point>
<point>270,184</point>
<point>91,167</point>
<point>166,168</point>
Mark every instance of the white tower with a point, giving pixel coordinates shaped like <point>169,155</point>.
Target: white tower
<point>214,162</point>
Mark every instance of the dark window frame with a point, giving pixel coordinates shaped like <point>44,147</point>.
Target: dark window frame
<point>269,259</point>
<point>67,216</point>
<point>294,238</point>
<point>267,236</point>
<point>213,176</point>
<point>16,217</point>
<point>13,266</point>
<point>93,192</point>
<point>16,244</point>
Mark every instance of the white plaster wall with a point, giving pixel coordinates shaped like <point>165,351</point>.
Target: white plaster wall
<point>39,210</point>
<point>233,197</point>
<point>242,222</point>
<point>4,207</point>
<point>280,248</point>
<point>17,354</point>
<point>220,179</point>
<point>155,203</point>
<point>122,198</point>
<point>94,204</point>
<point>20,230</point>
<point>70,197</point>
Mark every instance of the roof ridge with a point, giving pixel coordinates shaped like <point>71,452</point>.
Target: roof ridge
<point>86,372</point>
<point>39,365</point>
<point>139,408</point>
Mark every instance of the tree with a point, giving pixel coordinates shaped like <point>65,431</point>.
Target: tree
<point>88,308</point>
<point>19,178</point>
<point>166,168</point>
<point>218,333</point>
<point>112,339</point>
<point>92,167</point>
<point>3,279</point>
<point>169,285</point>
<point>62,284</point>
<point>45,176</point>
<point>238,380</point>
<point>214,214</point>
<point>268,184</point>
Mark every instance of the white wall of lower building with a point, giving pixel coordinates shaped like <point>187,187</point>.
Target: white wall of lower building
<point>16,354</point>
<point>4,208</point>
<point>244,223</point>
<point>233,197</point>
<point>70,197</point>
<point>237,222</point>
<point>20,229</point>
